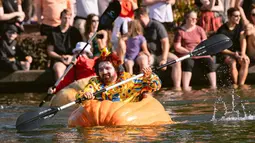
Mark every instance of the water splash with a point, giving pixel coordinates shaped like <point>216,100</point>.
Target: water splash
<point>246,118</point>
<point>232,114</point>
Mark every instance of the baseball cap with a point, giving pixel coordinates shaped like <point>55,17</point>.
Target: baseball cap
<point>80,45</point>
<point>11,28</point>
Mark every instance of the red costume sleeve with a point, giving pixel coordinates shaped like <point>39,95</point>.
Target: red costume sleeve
<point>69,78</point>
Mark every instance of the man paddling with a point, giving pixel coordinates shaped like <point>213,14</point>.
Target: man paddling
<point>110,72</point>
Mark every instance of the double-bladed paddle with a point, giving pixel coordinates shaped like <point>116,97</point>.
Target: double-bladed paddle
<point>36,119</point>
<point>105,21</point>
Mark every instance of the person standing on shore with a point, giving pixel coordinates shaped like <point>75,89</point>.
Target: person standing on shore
<point>10,13</point>
<point>48,12</point>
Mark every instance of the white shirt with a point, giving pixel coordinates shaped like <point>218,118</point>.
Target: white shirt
<point>102,5</point>
<point>161,12</point>
<point>86,7</point>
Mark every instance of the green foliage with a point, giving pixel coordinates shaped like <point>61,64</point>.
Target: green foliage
<point>35,46</point>
<point>180,8</point>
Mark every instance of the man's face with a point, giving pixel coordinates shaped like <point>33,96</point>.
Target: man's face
<point>142,19</point>
<point>235,17</point>
<point>107,72</point>
<point>65,19</point>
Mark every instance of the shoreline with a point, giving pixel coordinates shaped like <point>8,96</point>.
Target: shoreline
<point>41,80</point>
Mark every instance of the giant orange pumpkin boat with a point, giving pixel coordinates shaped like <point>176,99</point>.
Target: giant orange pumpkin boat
<point>148,111</point>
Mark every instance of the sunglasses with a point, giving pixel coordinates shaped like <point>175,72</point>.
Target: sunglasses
<point>95,20</point>
<point>191,18</point>
<point>236,15</point>
<point>11,32</point>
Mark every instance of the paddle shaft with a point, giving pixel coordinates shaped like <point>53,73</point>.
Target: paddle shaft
<point>50,112</point>
<point>32,120</point>
<point>79,100</point>
<point>200,50</point>
<point>68,69</point>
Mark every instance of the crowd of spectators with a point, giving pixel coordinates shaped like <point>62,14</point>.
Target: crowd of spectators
<point>139,35</point>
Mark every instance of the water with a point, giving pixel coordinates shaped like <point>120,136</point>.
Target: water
<point>222,116</point>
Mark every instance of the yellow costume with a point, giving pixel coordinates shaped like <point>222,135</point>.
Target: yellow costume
<point>128,92</point>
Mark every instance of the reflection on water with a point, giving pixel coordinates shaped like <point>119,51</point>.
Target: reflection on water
<point>123,133</point>
<point>202,116</point>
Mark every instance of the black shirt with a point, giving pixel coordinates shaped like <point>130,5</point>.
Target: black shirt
<point>234,35</point>
<point>64,43</point>
<point>9,6</point>
<point>8,51</point>
<point>153,33</point>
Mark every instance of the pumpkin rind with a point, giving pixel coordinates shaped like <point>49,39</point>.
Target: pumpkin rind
<point>67,94</point>
<point>149,111</point>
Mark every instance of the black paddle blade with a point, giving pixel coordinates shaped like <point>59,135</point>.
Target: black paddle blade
<point>32,120</point>
<point>212,45</point>
<point>109,15</point>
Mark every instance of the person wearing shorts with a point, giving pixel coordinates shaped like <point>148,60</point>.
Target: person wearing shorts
<point>186,39</point>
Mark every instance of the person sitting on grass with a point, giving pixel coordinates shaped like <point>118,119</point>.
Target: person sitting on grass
<point>110,71</point>
<point>11,57</point>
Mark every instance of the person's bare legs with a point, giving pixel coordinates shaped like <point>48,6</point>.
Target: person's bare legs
<point>186,77</point>
<point>233,69</point>
<point>121,49</point>
<point>143,61</point>
<point>176,73</point>
<point>243,72</point>
<point>129,64</point>
<point>59,69</point>
<point>212,79</point>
